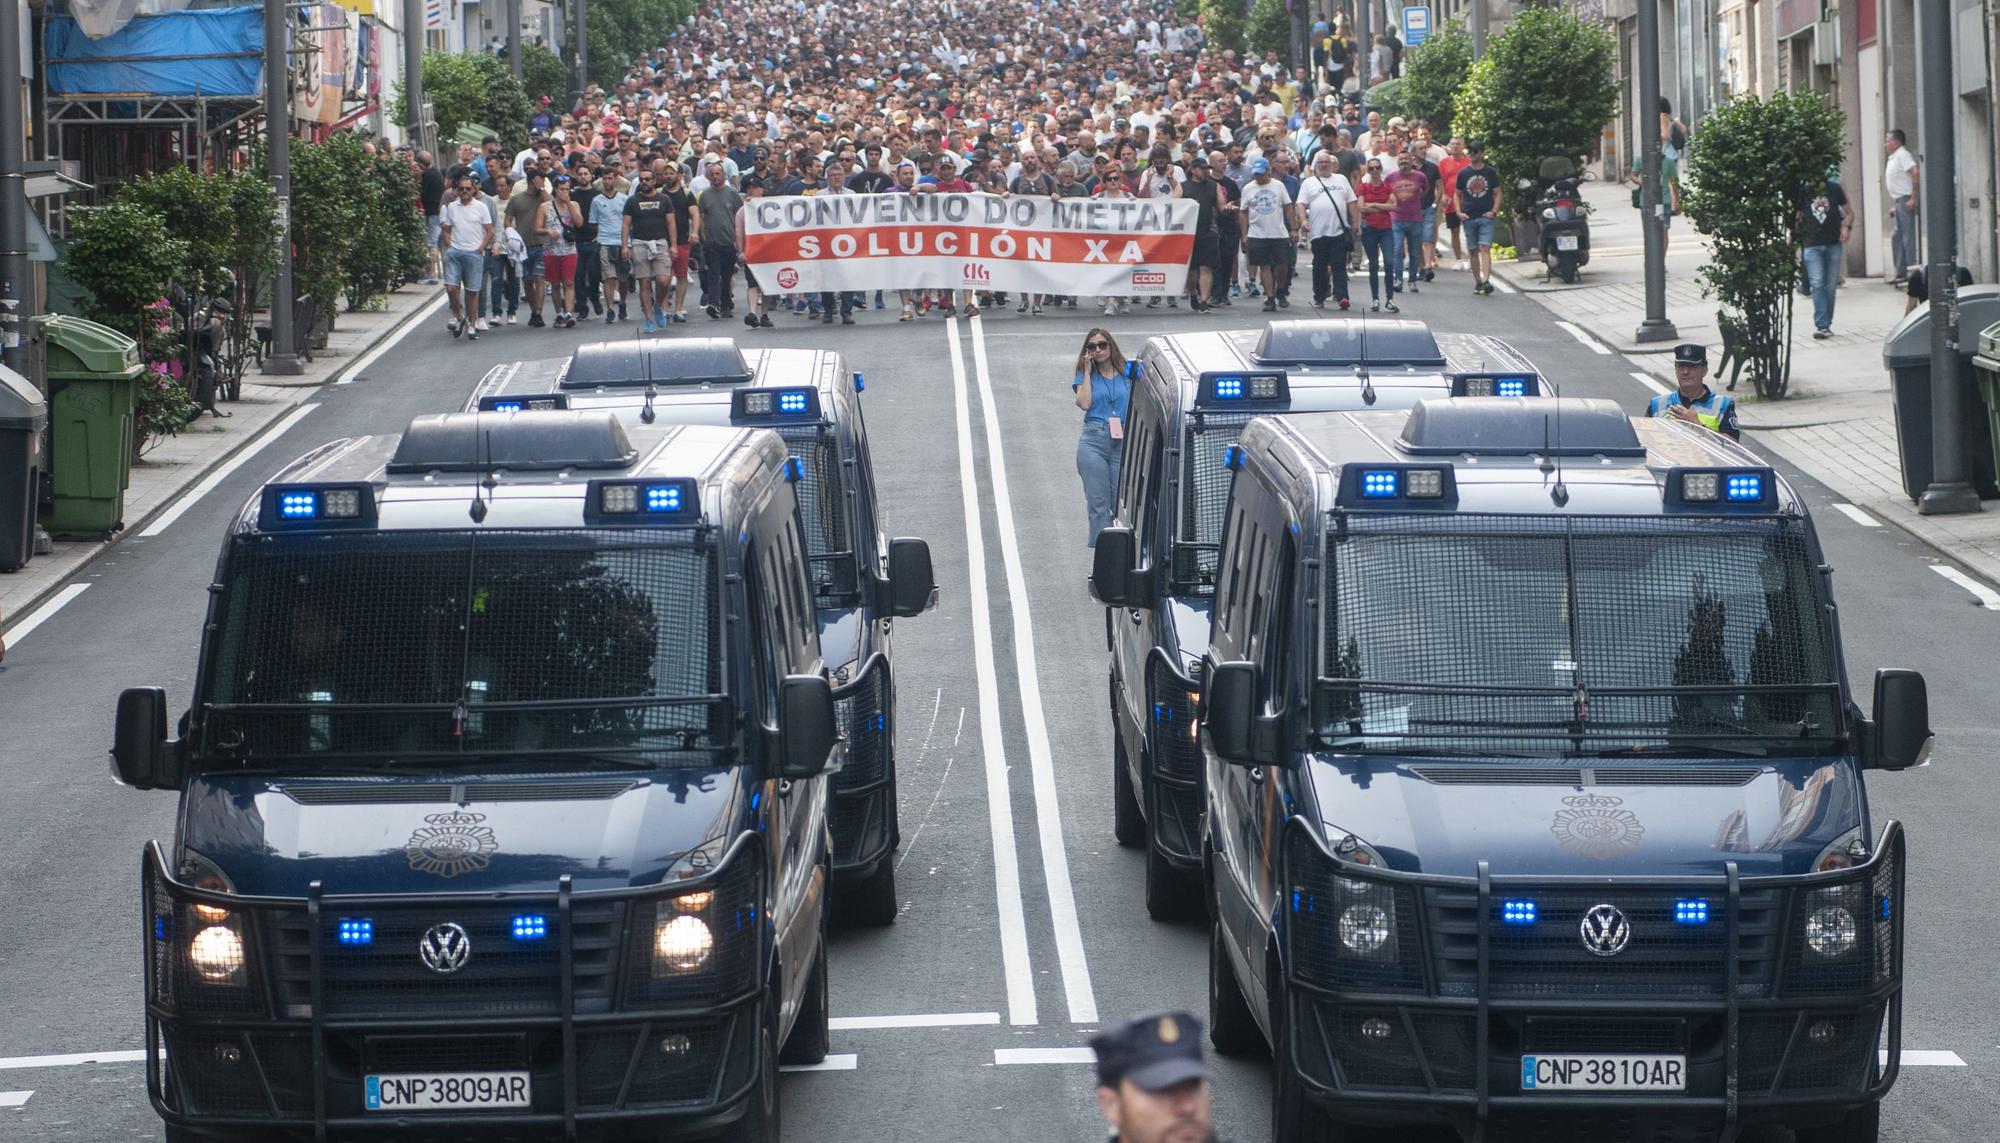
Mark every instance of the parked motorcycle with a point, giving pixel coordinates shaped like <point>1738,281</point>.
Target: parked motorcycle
<point>203,325</point>
<point>1564,217</point>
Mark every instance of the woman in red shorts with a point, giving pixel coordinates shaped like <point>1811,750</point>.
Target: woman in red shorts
<point>558,223</point>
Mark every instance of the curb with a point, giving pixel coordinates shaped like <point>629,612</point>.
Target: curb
<point>302,390</point>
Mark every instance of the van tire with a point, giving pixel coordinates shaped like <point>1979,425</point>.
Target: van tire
<point>812,1035</point>
<point>1126,821</point>
<point>1232,1026</point>
<point>1861,1125</point>
<point>873,901</point>
<point>1171,895</point>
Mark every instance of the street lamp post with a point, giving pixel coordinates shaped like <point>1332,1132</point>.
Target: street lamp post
<point>1478,28</point>
<point>413,70</point>
<point>1652,217</point>
<point>1949,490</point>
<point>17,281</point>
<point>278,135</point>
<point>513,10</point>
<point>580,33</point>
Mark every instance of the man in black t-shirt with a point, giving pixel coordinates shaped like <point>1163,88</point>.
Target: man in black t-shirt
<point>430,193</point>
<point>1200,188</point>
<point>588,270</point>
<point>648,242</point>
<point>1823,226</point>
<point>673,188</point>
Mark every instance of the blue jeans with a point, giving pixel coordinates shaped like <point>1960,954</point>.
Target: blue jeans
<point>1822,275</point>
<point>1478,232</point>
<point>1097,460</point>
<point>1378,243</point>
<point>1409,248</point>
<point>502,284</point>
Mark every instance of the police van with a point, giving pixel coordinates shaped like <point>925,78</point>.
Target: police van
<point>503,793</point>
<point>813,400</point>
<point>1155,567</point>
<point>1536,801</point>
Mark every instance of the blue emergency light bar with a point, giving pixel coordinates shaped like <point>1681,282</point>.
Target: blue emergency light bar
<point>1397,486</point>
<point>316,506</point>
<point>1236,390</point>
<point>356,931</point>
<point>1496,385</point>
<point>535,403</point>
<point>646,503</point>
<point>774,405</point>
<point>1721,489</point>
<point>530,926</point>
<point>1517,912</point>
<point>1693,911</point>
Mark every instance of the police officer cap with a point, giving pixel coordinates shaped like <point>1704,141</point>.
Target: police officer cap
<point>1154,1052</point>
<point>1690,353</point>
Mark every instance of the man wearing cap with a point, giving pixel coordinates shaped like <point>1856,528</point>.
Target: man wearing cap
<point>1272,230</point>
<point>1693,401</point>
<point>1152,1084</point>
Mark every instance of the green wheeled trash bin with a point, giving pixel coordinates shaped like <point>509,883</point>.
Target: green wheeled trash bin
<point>1907,354</point>
<point>93,373</point>
<point>23,416</point>
<point>1986,374</point>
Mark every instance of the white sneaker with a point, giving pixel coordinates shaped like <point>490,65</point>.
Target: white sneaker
<point>1110,310</point>
<point>479,325</point>
<point>513,318</point>
<point>1460,265</point>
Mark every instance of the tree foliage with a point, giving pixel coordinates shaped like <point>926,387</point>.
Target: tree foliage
<point>389,245</point>
<point>1223,24</point>
<point>1752,166</point>
<point>544,73</point>
<point>618,32</point>
<point>1544,87</point>
<point>473,87</point>
<point>195,209</point>
<point>331,196</point>
<point>1434,73</point>
<point>124,253</point>
<point>1270,29</point>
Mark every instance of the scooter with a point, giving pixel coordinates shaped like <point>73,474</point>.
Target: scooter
<point>203,325</point>
<point>1565,219</point>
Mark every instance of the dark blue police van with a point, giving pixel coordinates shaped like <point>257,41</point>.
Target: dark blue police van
<point>503,794</point>
<point>1155,567</point>
<point>1536,803</point>
<point>812,400</point>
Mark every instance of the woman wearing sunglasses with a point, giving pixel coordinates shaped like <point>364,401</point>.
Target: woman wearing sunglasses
<point>1102,391</point>
<point>1378,203</point>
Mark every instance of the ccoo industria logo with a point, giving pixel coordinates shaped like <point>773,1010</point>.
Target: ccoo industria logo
<point>452,843</point>
<point>1153,279</point>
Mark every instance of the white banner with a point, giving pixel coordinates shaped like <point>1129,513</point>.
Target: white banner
<point>1079,246</point>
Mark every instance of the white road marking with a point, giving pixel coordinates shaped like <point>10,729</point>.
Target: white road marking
<point>14,1098</point>
<point>1048,1056</point>
<point>367,359</point>
<point>1915,1058</point>
<point>1588,341</point>
<point>11,1063</point>
<point>1986,596</point>
<point>1651,382</point>
<point>1041,757</point>
<point>921,1020</point>
<point>1856,515</point>
<point>999,803</point>
<point>40,615</point>
<point>214,479</point>
<point>1502,286</point>
<point>846,1063</point>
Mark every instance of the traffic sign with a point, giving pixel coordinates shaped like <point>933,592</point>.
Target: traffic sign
<point>1416,25</point>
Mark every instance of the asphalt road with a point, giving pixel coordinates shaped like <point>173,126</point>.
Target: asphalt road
<point>1022,925</point>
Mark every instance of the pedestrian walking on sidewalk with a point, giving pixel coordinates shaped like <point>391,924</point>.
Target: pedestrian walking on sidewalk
<point>1823,228</point>
<point>1901,178</point>
<point>1692,400</point>
<point>1104,393</point>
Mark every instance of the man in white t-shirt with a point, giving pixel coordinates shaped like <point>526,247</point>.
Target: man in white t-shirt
<point>1329,205</point>
<point>465,231</point>
<point>1900,178</point>
<point>1271,231</point>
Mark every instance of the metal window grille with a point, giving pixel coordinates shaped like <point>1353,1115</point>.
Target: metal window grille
<point>823,504</point>
<point>1204,499</point>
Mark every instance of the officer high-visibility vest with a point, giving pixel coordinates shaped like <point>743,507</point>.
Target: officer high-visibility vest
<point>1714,409</point>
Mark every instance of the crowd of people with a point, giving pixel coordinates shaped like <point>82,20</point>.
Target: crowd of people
<point>623,199</point>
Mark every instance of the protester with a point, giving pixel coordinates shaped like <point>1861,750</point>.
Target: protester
<point>1329,203</point>
<point>1478,194</point>
<point>1376,206</point>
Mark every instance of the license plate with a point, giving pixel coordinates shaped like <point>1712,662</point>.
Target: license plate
<point>1565,241</point>
<point>447,1091</point>
<point>1592,1072</point>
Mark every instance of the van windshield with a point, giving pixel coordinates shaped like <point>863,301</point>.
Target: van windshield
<point>403,645</point>
<point>1538,636</point>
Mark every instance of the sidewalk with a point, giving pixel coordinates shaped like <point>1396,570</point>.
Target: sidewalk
<point>171,466</point>
<point>1836,424</point>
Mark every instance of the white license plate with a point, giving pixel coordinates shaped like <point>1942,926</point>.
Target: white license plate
<point>1565,241</point>
<point>447,1091</point>
<point>1593,1072</point>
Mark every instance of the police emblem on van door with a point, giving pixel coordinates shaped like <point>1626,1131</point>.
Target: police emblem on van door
<point>450,844</point>
<point>1596,825</point>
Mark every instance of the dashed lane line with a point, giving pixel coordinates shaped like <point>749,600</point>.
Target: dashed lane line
<point>214,479</point>
<point>1925,1058</point>
<point>1014,958</point>
<point>1987,597</point>
<point>42,614</point>
<point>1044,1056</point>
<point>1856,515</point>
<point>1502,285</point>
<point>1651,382</point>
<point>1589,342</point>
<point>11,1063</point>
<point>833,1063</point>
<point>14,1098</point>
<point>922,1020</point>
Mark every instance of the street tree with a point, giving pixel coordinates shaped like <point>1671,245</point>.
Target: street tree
<point>1223,23</point>
<point>1270,29</point>
<point>473,87</point>
<point>1434,72</point>
<point>1545,87</point>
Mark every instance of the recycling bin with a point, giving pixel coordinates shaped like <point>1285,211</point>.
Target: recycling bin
<point>23,416</point>
<point>1986,374</point>
<point>1907,354</point>
<point>93,373</point>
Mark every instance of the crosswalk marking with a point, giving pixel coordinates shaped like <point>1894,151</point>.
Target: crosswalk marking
<point>1044,1056</point>
<point>1856,515</point>
<point>14,1098</point>
<point>834,1063</point>
<point>924,1020</point>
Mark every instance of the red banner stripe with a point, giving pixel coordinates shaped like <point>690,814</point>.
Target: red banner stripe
<point>945,241</point>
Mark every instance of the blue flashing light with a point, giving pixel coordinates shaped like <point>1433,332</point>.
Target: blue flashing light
<point>1232,457</point>
<point>795,469</point>
<point>1511,387</point>
<point>163,928</point>
<point>1888,910</point>
<point>298,505</point>
<point>860,386</point>
<point>792,402</point>
<point>1229,388</point>
<point>1379,483</point>
<point>1162,712</point>
<point>508,406</point>
<point>663,498</point>
<point>356,931</point>
<point>1693,911</point>
<point>530,927</point>
<point>1745,486</point>
<point>1517,912</point>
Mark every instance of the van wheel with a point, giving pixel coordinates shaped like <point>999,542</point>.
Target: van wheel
<point>812,1033</point>
<point>1295,1118</point>
<point>1126,821</point>
<point>1232,1027</point>
<point>873,902</point>
<point>760,1120</point>
<point>1170,893</point>
<point>1862,1125</point>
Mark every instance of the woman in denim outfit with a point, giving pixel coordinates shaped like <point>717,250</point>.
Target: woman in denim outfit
<point>1103,392</point>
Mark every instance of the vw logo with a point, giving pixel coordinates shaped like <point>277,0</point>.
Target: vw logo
<point>445,948</point>
<point>1605,931</point>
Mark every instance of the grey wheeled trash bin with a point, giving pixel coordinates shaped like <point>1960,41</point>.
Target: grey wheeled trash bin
<point>1907,354</point>
<point>23,416</point>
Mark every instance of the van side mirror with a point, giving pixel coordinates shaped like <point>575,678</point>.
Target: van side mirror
<point>141,756</point>
<point>1230,710</point>
<point>1115,577</point>
<point>1902,727</point>
<point>912,590</point>
<point>807,730</point>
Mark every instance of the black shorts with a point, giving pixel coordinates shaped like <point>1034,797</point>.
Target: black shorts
<point>1451,219</point>
<point>1207,252</point>
<point>1269,251</point>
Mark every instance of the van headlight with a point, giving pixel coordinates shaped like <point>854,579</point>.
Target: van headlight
<point>1844,852</point>
<point>1365,929</point>
<point>1831,931</point>
<point>682,943</point>
<point>216,953</point>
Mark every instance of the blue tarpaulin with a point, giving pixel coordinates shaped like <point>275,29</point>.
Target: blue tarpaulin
<point>216,52</point>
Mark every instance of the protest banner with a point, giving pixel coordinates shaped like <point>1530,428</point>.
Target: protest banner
<point>1088,247</point>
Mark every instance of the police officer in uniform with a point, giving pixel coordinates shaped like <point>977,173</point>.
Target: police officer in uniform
<point>1152,1084</point>
<point>1694,402</point>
